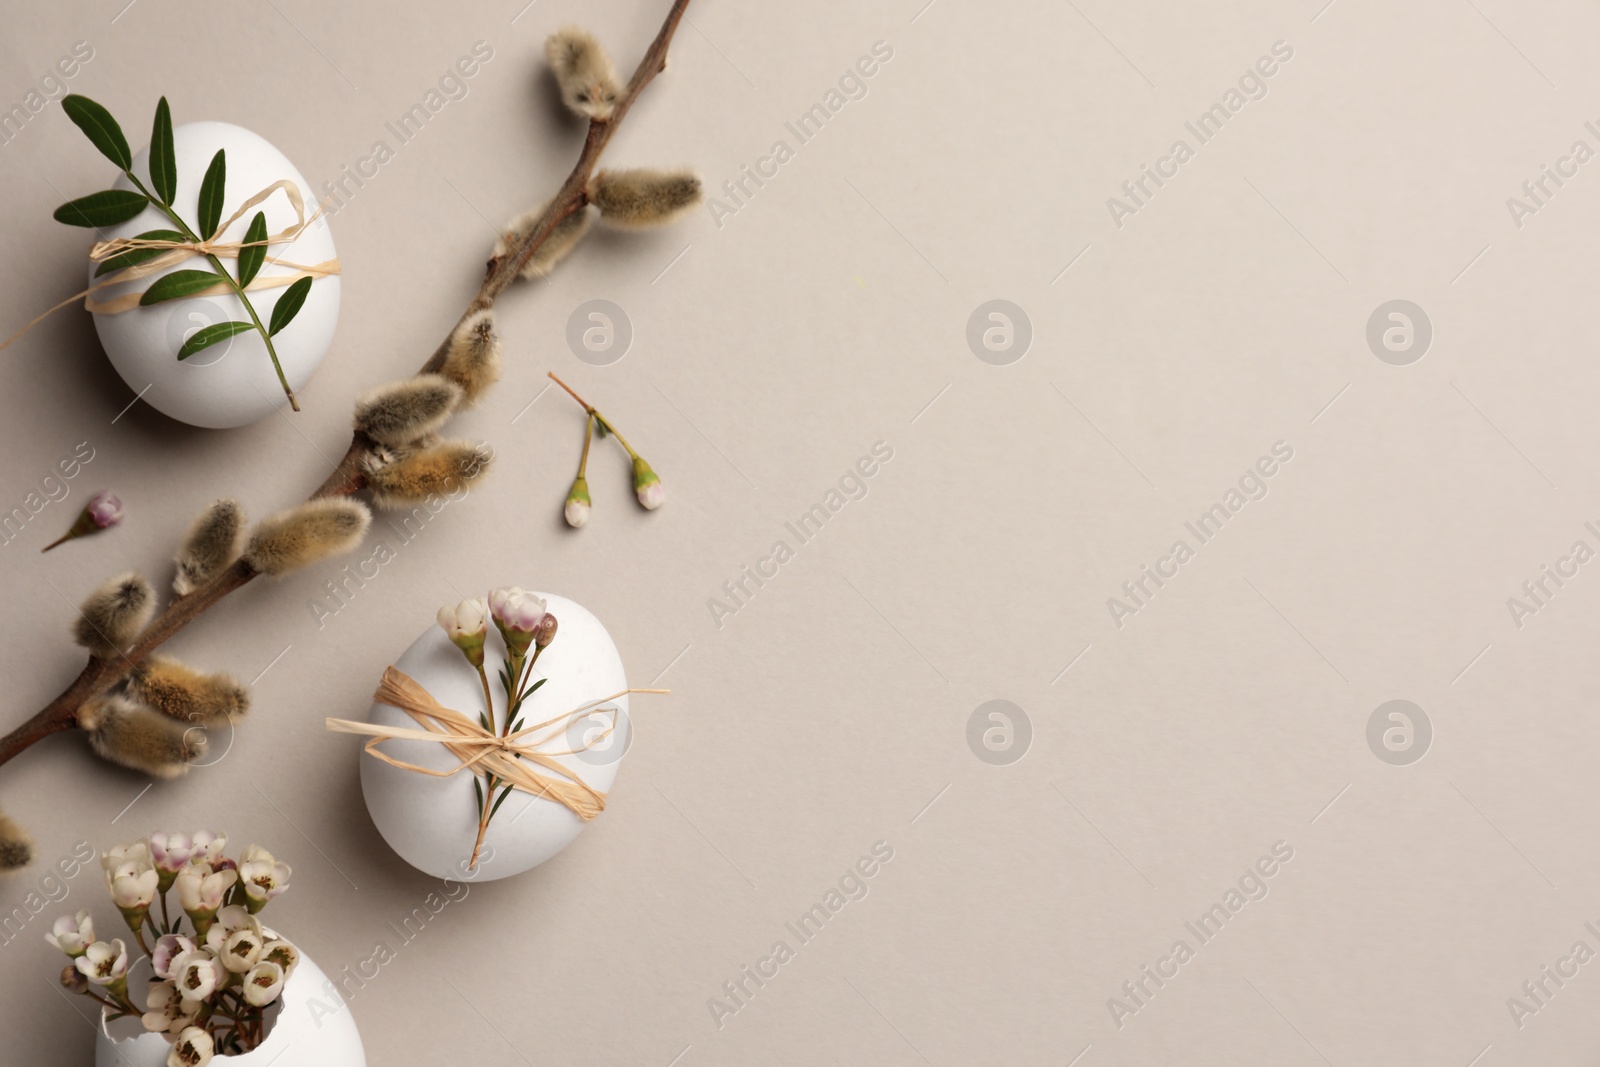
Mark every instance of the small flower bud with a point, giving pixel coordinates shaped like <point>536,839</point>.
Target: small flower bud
<point>584,72</point>
<point>560,241</point>
<point>646,486</point>
<point>181,693</point>
<point>578,503</point>
<point>307,534</point>
<point>467,625</point>
<point>635,199</point>
<point>114,614</point>
<point>213,542</point>
<point>16,847</point>
<point>133,735</point>
<point>400,412</point>
<point>102,512</point>
<point>72,981</point>
<point>440,470</point>
<point>546,632</point>
<point>472,359</point>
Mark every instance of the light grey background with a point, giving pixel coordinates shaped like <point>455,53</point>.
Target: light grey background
<point>831,712</point>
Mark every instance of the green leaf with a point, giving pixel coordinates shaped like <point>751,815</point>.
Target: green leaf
<point>499,802</point>
<point>600,430</point>
<point>98,125</point>
<point>138,255</point>
<point>250,259</point>
<point>163,159</point>
<point>288,306</point>
<point>210,335</point>
<point>211,190</point>
<point>105,208</point>
<point>477,788</point>
<point>178,284</point>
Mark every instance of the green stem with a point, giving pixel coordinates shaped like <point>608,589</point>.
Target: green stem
<point>216,265</point>
<point>583,460</point>
<point>594,413</point>
<point>612,430</point>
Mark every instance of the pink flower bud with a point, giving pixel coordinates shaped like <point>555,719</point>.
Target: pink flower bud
<point>102,511</point>
<point>104,508</point>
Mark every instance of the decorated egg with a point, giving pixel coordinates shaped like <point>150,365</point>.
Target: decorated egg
<point>313,1028</point>
<point>233,382</point>
<point>431,821</point>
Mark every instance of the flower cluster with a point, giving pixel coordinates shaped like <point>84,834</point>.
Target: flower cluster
<point>215,978</point>
<point>527,629</point>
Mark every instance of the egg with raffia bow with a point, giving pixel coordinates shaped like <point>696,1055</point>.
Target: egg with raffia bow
<point>233,382</point>
<point>432,822</point>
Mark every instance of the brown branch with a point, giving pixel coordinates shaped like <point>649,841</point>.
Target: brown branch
<point>99,674</point>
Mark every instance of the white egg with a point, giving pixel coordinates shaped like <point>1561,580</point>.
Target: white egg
<point>432,822</point>
<point>313,1029</point>
<point>232,383</point>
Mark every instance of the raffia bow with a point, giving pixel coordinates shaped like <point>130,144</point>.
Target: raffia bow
<point>174,252</point>
<point>482,751</point>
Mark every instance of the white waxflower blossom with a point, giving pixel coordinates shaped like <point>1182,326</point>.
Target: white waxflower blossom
<point>193,1048</point>
<point>263,984</point>
<point>201,890</point>
<point>262,876</point>
<point>197,975</point>
<point>104,963</point>
<point>170,852</point>
<point>72,934</point>
<point>168,948</point>
<point>169,1011</point>
<point>133,888</point>
<point>466,625</point>
<point>208,844</point>
<point>280,952</point>
<point>241,950</point>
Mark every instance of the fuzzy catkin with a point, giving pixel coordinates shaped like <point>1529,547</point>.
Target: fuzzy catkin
<point>308,533</point>
<point>130,734</point>
<point>472,360</point>
<point>442,470</point>
<point>584,72</point>
<point>642,197</point>
<point>561,240</point>
<point>402,411</point>
<point>182,693</point>
<point>212,543</point>
<point>114,614</point>
<point>16,847</point>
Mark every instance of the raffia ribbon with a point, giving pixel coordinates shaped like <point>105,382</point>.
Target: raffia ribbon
<point>174,252</point>
<point>482,751</point>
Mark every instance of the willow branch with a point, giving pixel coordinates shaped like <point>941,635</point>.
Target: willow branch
<point>348,477</point>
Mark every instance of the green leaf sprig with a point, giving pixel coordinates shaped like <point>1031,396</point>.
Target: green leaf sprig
<point>113,206</point>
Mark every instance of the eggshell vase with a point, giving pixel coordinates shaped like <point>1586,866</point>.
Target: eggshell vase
<point>313,1029</point>
<point>232,383</point>
<point>431,821</point>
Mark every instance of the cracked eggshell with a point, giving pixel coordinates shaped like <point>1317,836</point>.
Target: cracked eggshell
<point>313,1028</point>
<point>231,383</point>
<point>432,822</point>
